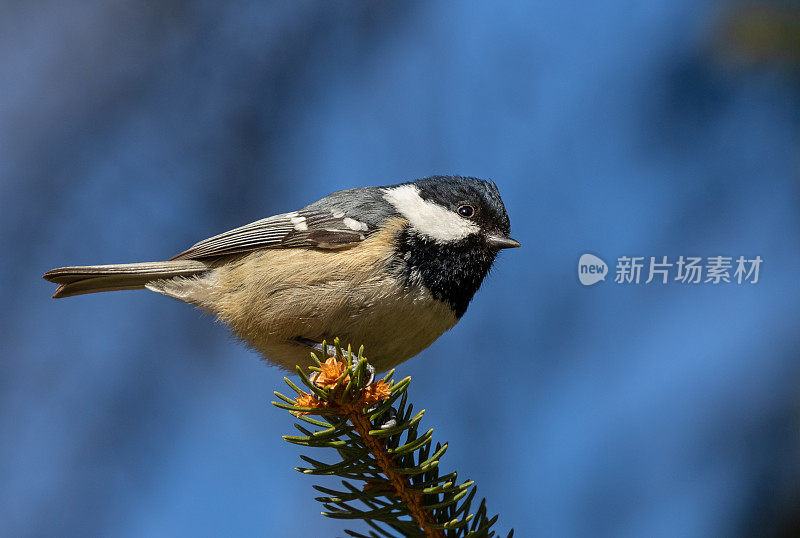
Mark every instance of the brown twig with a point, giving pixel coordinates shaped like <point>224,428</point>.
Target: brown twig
<point>355,414</point>
<point>331,370</point>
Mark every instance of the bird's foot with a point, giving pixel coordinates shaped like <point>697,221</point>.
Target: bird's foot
<point>330,351</point>
<point>327,351</point>
<point>387,420</point>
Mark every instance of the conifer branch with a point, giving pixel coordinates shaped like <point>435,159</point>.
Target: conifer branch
<point>402,492</point>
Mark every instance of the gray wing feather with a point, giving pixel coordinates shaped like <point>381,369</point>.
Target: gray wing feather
<point>128,276</point>
<point>297,229</point>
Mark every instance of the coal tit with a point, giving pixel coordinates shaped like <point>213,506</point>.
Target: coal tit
<point>391,268</point>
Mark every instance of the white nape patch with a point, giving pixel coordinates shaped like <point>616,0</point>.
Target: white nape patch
<point>353,224</point>
<point>300,223</point>
<point>429,218</point>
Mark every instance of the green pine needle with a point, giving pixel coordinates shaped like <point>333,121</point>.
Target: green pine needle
<point>401,491</point>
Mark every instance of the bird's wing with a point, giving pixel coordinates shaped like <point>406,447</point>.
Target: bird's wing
<point>303,228</point>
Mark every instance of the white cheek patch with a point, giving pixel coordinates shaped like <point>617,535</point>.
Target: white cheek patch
<point>429,218</point>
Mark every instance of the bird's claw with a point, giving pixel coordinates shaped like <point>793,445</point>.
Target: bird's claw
<point>370,374</point>
<point>388,419</point>
<point>327,351</point>
<point>330,351</point>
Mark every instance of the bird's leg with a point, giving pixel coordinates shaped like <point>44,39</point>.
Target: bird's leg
<point>388,420</point>
<point>390,417</point>
<point>330,351</point>
<point>370,374</point>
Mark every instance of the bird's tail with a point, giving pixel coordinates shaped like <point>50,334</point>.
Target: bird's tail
<point>128,276</point>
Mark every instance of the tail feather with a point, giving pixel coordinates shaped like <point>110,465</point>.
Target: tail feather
<point>128,276</point>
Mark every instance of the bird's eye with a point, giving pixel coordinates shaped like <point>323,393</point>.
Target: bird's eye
<point>466,210</point>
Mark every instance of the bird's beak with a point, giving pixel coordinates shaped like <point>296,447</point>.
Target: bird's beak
<point>499,241</point>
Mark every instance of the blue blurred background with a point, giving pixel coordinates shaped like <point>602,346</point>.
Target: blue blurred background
<point>130,130</point>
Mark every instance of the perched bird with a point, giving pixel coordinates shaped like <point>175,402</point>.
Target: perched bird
<point>391,268</point>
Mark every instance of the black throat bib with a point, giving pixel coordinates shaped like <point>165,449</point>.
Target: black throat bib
<point>452,272</point>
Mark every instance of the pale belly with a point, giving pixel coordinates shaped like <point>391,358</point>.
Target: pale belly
<point>391,330</point>
<point>271,297</point>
